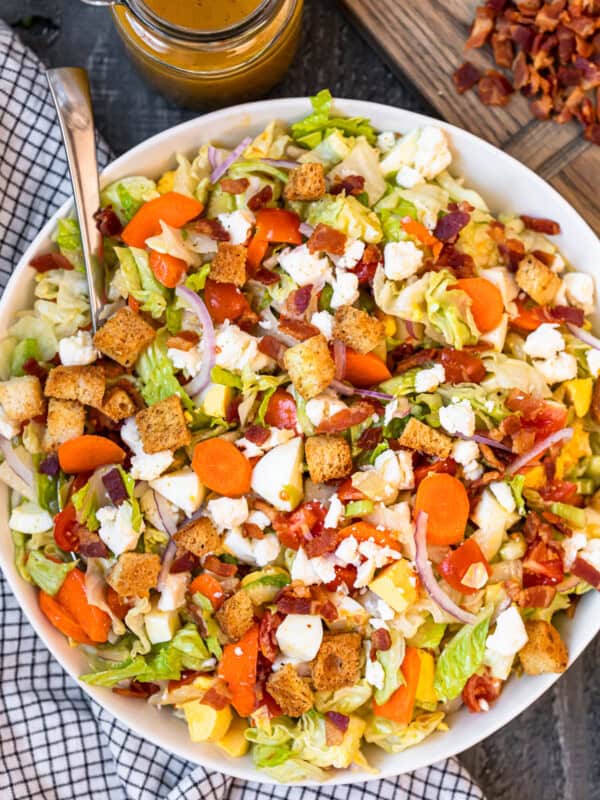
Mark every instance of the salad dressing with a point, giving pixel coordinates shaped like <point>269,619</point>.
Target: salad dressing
<point>203,15</point>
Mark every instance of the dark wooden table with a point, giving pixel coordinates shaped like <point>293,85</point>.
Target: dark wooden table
<point>550,752</point>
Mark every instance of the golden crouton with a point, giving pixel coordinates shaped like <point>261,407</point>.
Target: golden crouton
<point>293,695</point>
<point>199,536</point>
<point>537,280</point>
<point>310,366</point>
<point>545,651</point>
<point>118,404</point>
<point>162,426</point>
<point>229,264</point>
<point>66,420</point>
<point>328,458</point>
<point>134,574</point>
<point>124,336</point>
<point>306,182</point>
<point>357,329</point>
<point>22,398</point>
<point>236,615</point>
<point>86,384</point>
<point>338,662</point>
<point>418,436</point>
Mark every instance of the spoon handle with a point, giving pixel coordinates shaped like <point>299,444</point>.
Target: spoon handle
<point>71,94</point>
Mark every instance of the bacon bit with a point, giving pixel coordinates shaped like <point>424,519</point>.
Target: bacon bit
<point>460,263</point>
<point>485,480</point>
<point>107,222</point>
<point>586,571</point>
<point>494,89</point>
<point>351,184</point>
<point>367,267</point>
<point>345,419</point>
<point>257,434</point>
<point>369,439</point>
<point>333,735</point>
<point>541,225</point>
<point>450,225</point>
<point>260,199</point>
<point>380,641</point>
<point>184,340</point>
<point>461,366</point>
<point>323,541</point>
<point>218,696</point>
<point>90,544</point>
<point>211,228</point>
<point>328,611</point>
<point>252,531</point>
<point>524,36</point>
<point>566,314</point>
<point>465,77</point>
<point>137,689</point>
<point>483,25</point>
<point>232,186</point>
<point>272,347</point>
<point>266,276</point>
<point>328,239</point>
<point>536,597</point>
<point>416,359</point>
<point>491,457</point>
<point>297,328</point>
<point>520,71</point>
<point>480,691</point>
<point>267,640</point>
<point>290,604</point>
<point>592,133</point>
<point>33,367</point>
<point>220,568</point>
<point>185,563</point>
<point>503,50</point>
<point>268,510</point>
<point>298,301</point>
<point>50,261</point>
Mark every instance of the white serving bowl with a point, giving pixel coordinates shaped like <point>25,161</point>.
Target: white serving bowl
<point>506,185</point>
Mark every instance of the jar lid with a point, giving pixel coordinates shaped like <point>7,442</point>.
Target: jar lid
<point>201,17</point>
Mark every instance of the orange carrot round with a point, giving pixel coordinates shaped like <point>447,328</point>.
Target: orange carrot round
<point>61,619</point>
<point>487,305</point>
<point>221,467</point>
<point>238,670</point>
<point>71,596</point>
<point>364,370</point>
<point>209,587</point>
<point>86,453</point>
<point>444,498</point>
<point>401,704</point>
<point>167,269</point>
<point>172,208</point>
<point>362,531</point>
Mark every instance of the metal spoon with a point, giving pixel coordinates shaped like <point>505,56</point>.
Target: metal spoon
<point>70,90</point>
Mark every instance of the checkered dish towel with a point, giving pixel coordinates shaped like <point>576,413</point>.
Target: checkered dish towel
<point>55,742</point>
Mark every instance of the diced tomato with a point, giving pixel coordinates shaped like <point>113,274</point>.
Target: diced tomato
<point>116,604</point>
<point>343,576</point>
<point>224,301</point>
<point>281,410</point>
<point>542,416</point>
<point>347,492</point>
<point>528,319</point>
<point>345,419</point>
<point>443,465</point>
<point>278,225</point>
<point>257,250</point>
<point>65,529</point>
<point>461,366</point>
<point>481,687</point>
<point>167,269</point>
<point>299,526</point>
<point>542,565</point>
<point>457,562</point>
<point>559,492</point>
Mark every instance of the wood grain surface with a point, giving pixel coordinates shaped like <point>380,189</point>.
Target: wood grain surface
<point>424,40</point>
<point>550,751</point>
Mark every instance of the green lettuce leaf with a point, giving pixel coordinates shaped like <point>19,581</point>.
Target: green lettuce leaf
<point>20,554</point>
<point>197,280</point>
<point>86,505</point>
<point>25,349</point>
<point>460,659</point>
<point>449,311</point>
<point>191,647</point>
<point>136,514</point>
<point>135,277</point>
<point>391,661</point>
<point>394,738</point>
<point>127,195</point>
<point>346,214</point>
<point>68,239</point>
<point>312,129</point>
<point>429,635</point>
<point>47,574</point>
<point>46,488</point>
<point>155,371</point>
<point>110,676</point>
<point>344,701</point>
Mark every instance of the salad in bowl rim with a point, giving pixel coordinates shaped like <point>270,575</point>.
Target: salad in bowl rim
<point>327,472</point>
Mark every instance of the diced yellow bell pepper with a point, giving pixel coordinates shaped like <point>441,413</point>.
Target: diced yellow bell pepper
<point>396,585</point>
<point>205,723</point>
<point>426,693</point>
<point>234,743</point>
<point>389,324</point>
<point>535,478</point>
<point>216,400</point>
<point>579,392</point>
<point>166,182</point>
<point>578,447</point>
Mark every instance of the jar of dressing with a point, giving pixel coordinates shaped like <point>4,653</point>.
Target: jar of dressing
<point>209,52</point>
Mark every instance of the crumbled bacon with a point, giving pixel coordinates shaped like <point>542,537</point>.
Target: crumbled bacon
<point>570,314</point>
<point>494,89</point>
<point>465,77</point>
<point>218,696</point>
<point>345,419</point>
<point>211,228</point>
<point>325,238</point>
<point>450,225</point>
<point>461,264</point>
<point>50,261</point>
<point>480,691</point>
<point>220,568</point>
<point>266,276</point>
<point>327,610</point>
<point>461,366</point>
<point>351,184</point>
<point>256,434</point>
<point>297,328</point>
<point>185,562</point>
<point>503,50</point>
<point>370,438</point>
<point>267,641</point>
<point>512,251</point>
<point>380,641</point>
<point>234,186</point>
<point>483,25</point>
<point>298,301</point>
<point>184,340</point>
<point>33,367</point>
<point>137,689</point>
<point>260,199</point>
<point>540,225</point>
<point>91,545</point>
<point>107,222</point>
<point>291,604</point>
<point>586,571</point>
<point>272,347</point>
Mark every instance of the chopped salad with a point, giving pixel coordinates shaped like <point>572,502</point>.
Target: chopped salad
<point>330,466</point>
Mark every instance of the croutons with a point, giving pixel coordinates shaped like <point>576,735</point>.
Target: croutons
<point>134,574</point>
<point>22,398</point>
<point>338,662</point>
<point>86,384</point>
<point>328,458</point>
<point>306,182</point>
<point>118,404</point>
<point>357,329</point>
<point>229,264</point>
<point>162,426</point>
<point>66,420</point>
<point>293,695</point>
<point>236,615</point>
<point>124,336</point>
<point>418,436</point>
<point>545,651</point>
<point>199,536</point>
<point>310,366</point>
<point>537,280</point>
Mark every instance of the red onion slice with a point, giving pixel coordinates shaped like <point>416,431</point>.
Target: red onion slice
<point>306,229</point>
<point>481,439</point>
<point>167,516</point>
<point>196,304</point>
<point>222,168</point>
<point>344,388</point>
<point>167,560</point>
<point>425,570</point>
<point>14,462</point>
<point>339,356</point>
<point>559,436</point>
<point>584,336</point>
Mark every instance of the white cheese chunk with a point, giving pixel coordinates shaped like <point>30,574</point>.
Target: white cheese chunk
<point>300,635</point>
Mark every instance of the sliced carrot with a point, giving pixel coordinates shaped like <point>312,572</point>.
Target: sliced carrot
<point>278,225</point>
<point>446,502</point>
<point>528,319</point>
<point>167,269</point>
<point>172,208</point>
<point>133,304</point>
<point>62,620</point>
<point>86,453</point>
<point>362,531</point>
<point>72,597</point>
<point>401,704</point>
<point>257,249</point>
<point>209,587</point>
<point>420,232</point>
<point>221,467</point>
<point>487,305</point>
<point>238,670</point>
<point>366,369</point>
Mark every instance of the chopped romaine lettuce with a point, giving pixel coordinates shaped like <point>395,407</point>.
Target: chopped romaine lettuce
<point>391,661</point>
<point>449,311</point>
<point>47,574</point>
<point>135,277</point>
<point>346,214</point>
<point>394,738</point>
<point>155,371</point>
<point>125,196</point>
<point>460,659</point>
<point>24,350</point>
<point>312,129</point>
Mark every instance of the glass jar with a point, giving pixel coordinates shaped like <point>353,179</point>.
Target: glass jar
<point>200,68</point>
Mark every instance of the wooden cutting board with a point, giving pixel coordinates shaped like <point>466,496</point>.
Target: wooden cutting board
<point>424,40</point>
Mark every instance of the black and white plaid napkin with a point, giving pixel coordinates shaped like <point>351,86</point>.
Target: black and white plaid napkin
<point>55,742</point>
